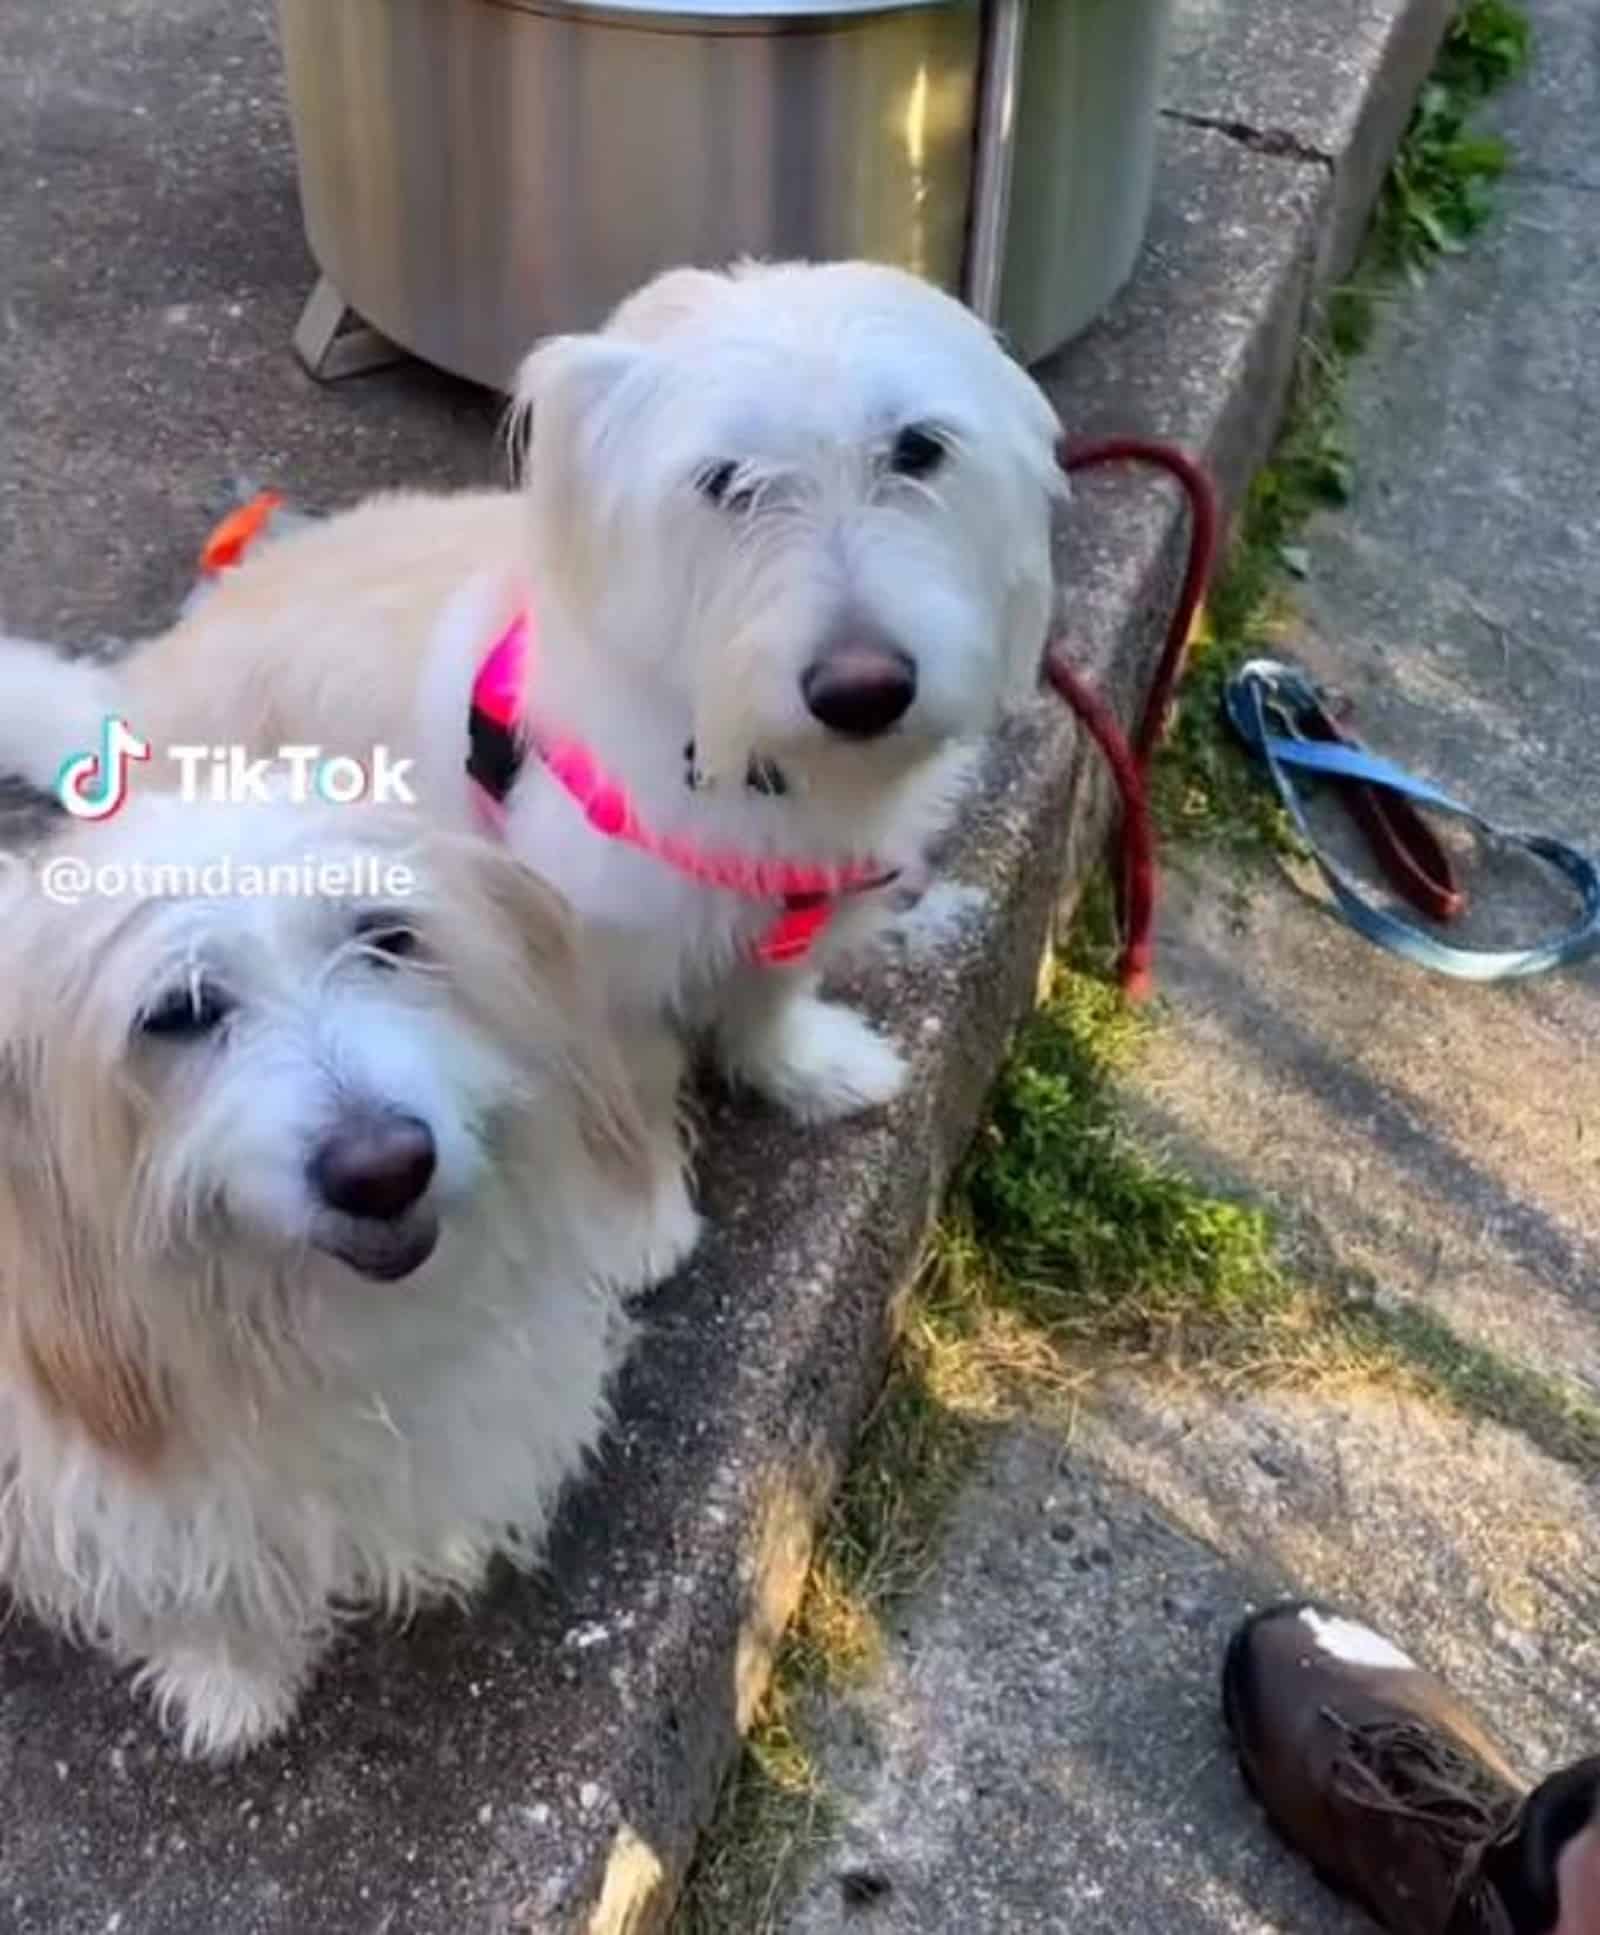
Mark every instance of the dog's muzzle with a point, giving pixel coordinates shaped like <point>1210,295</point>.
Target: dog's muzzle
<point>372,1172</point>
<point>859,687</point>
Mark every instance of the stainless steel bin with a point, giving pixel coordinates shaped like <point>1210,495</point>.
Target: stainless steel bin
<point>478,173</point>
<point>1081,164</point>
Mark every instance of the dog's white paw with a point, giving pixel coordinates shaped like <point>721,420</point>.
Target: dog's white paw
<point>675,1227</point>
<point>820,1061</point>
<point>219,1708</point>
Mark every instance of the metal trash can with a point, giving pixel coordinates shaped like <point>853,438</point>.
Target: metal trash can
<point>476,174</point>
<point>1082,163</point>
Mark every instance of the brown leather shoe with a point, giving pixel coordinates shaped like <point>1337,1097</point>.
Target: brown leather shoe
<point>1391,1786</point>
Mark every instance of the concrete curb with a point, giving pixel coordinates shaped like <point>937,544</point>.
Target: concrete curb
<point>1340,97</point>
<point>542,1764</point>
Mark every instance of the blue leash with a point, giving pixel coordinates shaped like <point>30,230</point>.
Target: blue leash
<point>1265,690</point>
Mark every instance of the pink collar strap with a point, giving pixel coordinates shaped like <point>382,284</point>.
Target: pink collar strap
<point>499,740</point>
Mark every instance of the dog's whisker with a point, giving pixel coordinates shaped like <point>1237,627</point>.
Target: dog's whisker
<point>382,1415</point>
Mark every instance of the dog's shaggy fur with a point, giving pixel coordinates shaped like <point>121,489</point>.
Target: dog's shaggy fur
<point>230,1408</point>
<point>744,476</point>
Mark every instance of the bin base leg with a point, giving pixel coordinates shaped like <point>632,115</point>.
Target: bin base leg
<point>333,342</point>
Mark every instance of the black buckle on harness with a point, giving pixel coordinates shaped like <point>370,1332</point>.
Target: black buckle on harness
<point>494,755</point>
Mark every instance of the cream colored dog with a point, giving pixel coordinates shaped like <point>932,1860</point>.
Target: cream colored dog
<point>784,538</point>
<point>314,1214</point>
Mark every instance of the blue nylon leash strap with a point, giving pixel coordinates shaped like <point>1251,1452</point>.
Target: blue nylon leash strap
<point>1265,694</point>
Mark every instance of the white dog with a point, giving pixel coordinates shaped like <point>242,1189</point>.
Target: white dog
<point>313,1215</point>
<point>784,552</point>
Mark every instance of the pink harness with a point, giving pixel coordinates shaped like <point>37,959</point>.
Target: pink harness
<point>500,739</point>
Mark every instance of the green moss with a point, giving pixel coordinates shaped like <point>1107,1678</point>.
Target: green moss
<point>1081,1227</point>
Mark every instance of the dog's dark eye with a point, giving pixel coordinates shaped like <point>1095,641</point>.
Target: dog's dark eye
<point>387,934</point>
<point>715,484</point>
<point>186,1013</point>
<point>917,452</point>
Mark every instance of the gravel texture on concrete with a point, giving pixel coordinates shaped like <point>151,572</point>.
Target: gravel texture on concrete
<point>544,1761</point>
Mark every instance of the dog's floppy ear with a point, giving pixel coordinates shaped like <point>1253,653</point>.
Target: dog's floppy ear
<point>535,913</point>
<point>1027,434</point>
<point>69,1328</point>
<point>580,399</point>
<point>553,987</point>
<point>562,388</point>
<point>662,307</point>
<point>1031,617</point>
<point>64,1319</point>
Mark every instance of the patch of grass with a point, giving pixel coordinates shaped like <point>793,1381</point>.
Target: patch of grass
<point>961,1366</point>
<point>1076,1223</point>
<point>1488,44</point>
<point>875,1547</point>
<point>1204,789</point>
<point>1438,191</point>
<point>1097,1248</point>
<point>773,1816</point>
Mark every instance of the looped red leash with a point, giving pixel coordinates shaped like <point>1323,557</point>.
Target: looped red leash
<point>1130,764</point>
<point>1406,848</point>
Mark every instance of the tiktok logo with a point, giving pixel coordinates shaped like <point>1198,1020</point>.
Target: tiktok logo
<point>93,785</point>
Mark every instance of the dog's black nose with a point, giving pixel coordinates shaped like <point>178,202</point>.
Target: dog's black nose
<point>375,1166</point>
<point>859,691</point>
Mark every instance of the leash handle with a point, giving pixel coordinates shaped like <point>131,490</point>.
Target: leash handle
<point>1266,692</point>
<point>1402,842</point>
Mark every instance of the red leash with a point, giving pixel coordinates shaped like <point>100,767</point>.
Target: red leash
<point>1130,765</point>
